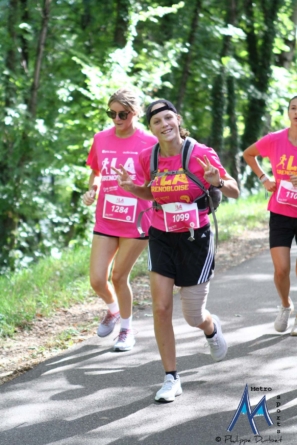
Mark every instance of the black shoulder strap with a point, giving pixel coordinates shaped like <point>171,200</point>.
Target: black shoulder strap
<point>154,161</point>
<point>186,156</point>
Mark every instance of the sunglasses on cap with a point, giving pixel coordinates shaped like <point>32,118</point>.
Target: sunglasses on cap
<point>113,114</point>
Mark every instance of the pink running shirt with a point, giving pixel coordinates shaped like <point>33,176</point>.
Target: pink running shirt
<point>283,158</point>
<point>178,188</point>
<point>117,210</point>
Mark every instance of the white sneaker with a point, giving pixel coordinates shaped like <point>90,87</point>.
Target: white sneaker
<point>170,389</point>
<point>294,328</point>
<point>107,324</point>
<point>125,341</point>
<point>281,323</point>
<point>217,344</point>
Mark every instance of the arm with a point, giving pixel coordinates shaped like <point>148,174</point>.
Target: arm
<point>230,187</point>
<point>212,176</point>
<point>125,181</point>
<point>250,156</point>
<point>90,195</point>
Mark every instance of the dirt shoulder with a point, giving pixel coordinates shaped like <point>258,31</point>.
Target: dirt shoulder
<point>48,337</point>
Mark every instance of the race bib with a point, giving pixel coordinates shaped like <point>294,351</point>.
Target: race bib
<point>119,208</point>
<point>178,215</point>
<point>287,193</point>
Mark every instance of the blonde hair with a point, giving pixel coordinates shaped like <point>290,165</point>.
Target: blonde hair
<point>129,99</point>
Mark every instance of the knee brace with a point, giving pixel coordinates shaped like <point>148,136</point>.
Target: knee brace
<point>193,300</point>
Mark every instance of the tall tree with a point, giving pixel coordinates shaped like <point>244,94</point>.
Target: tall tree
<point>261,57</point>
<point>39,56</point>
<point>188,56</point>
<point>220,92</point>
<point>233,142</point>
<point>8,220</point>
<point>122,22</point>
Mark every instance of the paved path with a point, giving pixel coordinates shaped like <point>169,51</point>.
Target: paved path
<point>93,396</point>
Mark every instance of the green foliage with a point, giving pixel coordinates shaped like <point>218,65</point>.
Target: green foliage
<point>235,216</point>
<point>41,289</point>
<point>91,49</point>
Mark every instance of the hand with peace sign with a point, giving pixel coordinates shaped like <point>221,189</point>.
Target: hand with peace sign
<point>211,173</point>
<point>124,180</point>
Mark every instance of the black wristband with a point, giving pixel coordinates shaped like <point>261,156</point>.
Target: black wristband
<point>221,184</point>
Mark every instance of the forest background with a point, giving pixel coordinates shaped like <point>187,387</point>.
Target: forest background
<point>228,65</point>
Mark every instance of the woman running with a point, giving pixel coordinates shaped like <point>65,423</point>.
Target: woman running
<point>178,255</point>
<point>116,241</point>
<point>281,150</point>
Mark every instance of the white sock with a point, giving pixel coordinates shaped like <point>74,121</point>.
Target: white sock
<point>126,323</point>
<point>113,307</point>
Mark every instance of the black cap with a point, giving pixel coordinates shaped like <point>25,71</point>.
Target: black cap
<point>167,106</point>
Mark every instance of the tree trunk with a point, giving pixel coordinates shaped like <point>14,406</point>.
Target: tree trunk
<point>24,42</point>
<point>11,55</point>
<point>233,152</point>
<point>260,60</point>
<point>233,163</point>
<point>218,96</point>
<point>122,22</point>
<point>187,59</point>
<point>86,18</point>
<point>39,55</point>
<point>216,139</point>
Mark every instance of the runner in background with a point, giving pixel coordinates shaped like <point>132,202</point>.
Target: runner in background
<point>174,257</point>
<point>281,149</point>
<point>116,241</point>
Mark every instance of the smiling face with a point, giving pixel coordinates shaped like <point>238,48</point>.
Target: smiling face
<point>292,112</point>
<point>122,126</point>
<point>165,125</point>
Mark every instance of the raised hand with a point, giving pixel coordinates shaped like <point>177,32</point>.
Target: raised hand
<point>124,180</point>
<point>90,195</point>
<point>211,173</point>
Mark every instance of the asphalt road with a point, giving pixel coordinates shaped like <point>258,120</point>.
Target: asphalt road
<point>91,395</point>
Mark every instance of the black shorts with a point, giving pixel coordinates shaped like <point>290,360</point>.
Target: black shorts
<point>172,255</point>
<point>114,236</point>
<point>283,229</point>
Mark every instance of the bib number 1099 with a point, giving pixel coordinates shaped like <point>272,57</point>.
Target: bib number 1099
<point>181,217</point>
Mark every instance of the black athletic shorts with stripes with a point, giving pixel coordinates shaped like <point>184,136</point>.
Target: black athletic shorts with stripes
<point>283,229</point>
<point>173,255</point>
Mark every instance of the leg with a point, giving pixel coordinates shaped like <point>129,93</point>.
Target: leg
<point>162,295</point>
<point>282,266</point>
<point>207,326</point>
<point>103,251</point>
<point>128,252</point>
<point>193,300</point>
<point>193,305</point>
